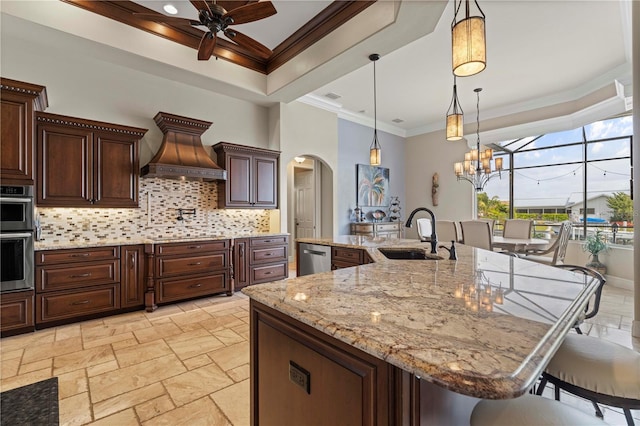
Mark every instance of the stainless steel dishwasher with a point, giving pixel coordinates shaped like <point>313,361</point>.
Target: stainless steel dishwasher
<point>314,258</point>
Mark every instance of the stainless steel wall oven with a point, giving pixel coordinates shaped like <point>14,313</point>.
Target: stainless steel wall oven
<point>16,238</point>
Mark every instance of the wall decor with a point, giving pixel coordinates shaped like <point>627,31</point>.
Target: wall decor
<point>435,185</point>
<point>373,185</point>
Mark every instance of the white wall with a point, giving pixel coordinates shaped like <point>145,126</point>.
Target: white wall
<point>99,90</point>
<point>299,129</point>
<point>432,153</point>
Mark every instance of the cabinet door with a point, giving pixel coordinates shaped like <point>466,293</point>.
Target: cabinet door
<point>132,283</point>
<point>116,171</point>
<point>16,142</point>
<point>240,263</point>
<point>65,166</point>
<point>265,182</point>
<point>238,184</point>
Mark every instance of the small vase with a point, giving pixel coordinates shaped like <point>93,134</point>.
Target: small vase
<point>597,265</point>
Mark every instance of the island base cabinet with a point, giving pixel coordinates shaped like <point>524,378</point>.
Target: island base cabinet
<point>297,376</point>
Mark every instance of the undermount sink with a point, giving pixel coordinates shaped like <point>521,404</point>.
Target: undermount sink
<point>408,254</point>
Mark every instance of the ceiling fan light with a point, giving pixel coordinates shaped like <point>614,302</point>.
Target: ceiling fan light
<point>170,9</point>
<point>468,42</point>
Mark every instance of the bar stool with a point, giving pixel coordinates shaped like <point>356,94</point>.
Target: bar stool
<point>529,410</point>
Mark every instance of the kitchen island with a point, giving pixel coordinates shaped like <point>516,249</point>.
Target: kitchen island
<point>405,341</point>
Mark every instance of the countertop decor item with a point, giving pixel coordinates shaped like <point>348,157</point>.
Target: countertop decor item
<point>378,215</point>
<point>596,244</point>
<point>394,209</point>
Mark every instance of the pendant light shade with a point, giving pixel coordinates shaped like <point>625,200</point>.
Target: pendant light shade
<point>375,152</point>
<point>455,117</point>
<point>468,41</point>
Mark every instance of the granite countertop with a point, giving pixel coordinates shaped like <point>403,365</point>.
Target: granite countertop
<point>421,316</point>
<point>121,241</point>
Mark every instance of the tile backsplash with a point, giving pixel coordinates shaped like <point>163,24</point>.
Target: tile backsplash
<point>157,216</point>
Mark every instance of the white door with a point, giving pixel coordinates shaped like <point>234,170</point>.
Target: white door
<point>303,184</point>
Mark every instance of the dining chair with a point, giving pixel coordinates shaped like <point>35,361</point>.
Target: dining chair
<point>491,222</point>
<point>529,410</point>
<point>424,229</point>
<point>593,368</point>
<point>517,228</point>
<point>555,254</point>
<point>477,233</point>
<point>447,231</point>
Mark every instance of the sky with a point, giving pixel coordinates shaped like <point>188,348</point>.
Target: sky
<point>538,185</point>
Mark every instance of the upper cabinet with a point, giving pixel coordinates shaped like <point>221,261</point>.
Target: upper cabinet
<point>19,101</point>
<point>84,163</point>
<point>252,177</point>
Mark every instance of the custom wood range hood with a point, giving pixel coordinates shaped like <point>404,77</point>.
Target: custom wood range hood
<point>181,155</point>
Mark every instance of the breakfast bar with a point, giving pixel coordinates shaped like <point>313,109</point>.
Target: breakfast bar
<point>405,341</point>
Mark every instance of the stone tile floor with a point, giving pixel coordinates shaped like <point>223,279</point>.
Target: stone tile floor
<point>186,364</point>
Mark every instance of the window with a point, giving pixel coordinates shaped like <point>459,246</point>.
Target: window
<point>582,175</point>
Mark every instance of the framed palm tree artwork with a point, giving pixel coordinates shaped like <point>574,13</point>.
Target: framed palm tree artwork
<point>373,185</point>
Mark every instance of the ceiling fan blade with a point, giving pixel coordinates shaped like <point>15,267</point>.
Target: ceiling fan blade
<point>207,44</point>
<point>233,4</point>
<point>201,5</point>
<point>251,12</point>
<point>173,20</point>
<point>248,42</point>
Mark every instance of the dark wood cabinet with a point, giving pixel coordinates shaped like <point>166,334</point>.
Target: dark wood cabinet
<point>344,257</point>
<point>18,103</point>
<point>132,276</point>
<point>252,176</point>
<point>240,263</point>
<point>85,163</point>
<point>190,269</point>
<point>16,312</point>
<point>319,377</point>
<point>260,259</point>
<point>73,284</point>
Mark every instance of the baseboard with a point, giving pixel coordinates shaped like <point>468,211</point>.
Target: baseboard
<point>619,282</point>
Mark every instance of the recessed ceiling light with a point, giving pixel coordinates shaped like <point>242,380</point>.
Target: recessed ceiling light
<point>170,9</point>
<point>333,96</point>
<point>397,120</point>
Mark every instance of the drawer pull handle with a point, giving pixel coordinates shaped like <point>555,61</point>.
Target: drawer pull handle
<point>268,272</point>
<point>195,264</point>
<point>80,255</point>
<point>195,247</point>
<point>267,241</point>
<point>88,274</point>
<point>195,285</point>
<point>81,302</point>
<point>268,254</point>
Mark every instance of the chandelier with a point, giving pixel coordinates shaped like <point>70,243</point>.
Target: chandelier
<point>468,41</point>
<point>375,152</point>
<point>477,165</point>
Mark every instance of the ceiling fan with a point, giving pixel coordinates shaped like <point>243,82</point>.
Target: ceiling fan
<point>216,19</point>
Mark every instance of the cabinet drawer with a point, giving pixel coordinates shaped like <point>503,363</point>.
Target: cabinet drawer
<point>16,310</point>
<point>193,247</point>
<point>362,228</point>
<point>52,257</point>
<point>179,289</point>
<point>263,274</point>
<point>387,227</point>
<point>355,256</point>
<point>268,255</point>
<point>192,265</point>
<point>269,241</point>
<point>70,304</point>
<point>61,277</point>
<point>339,264</point>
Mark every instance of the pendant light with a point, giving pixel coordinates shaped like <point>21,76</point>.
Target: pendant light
<point>455,117</point>
<point>374,151</point>
<point>468,41</point>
